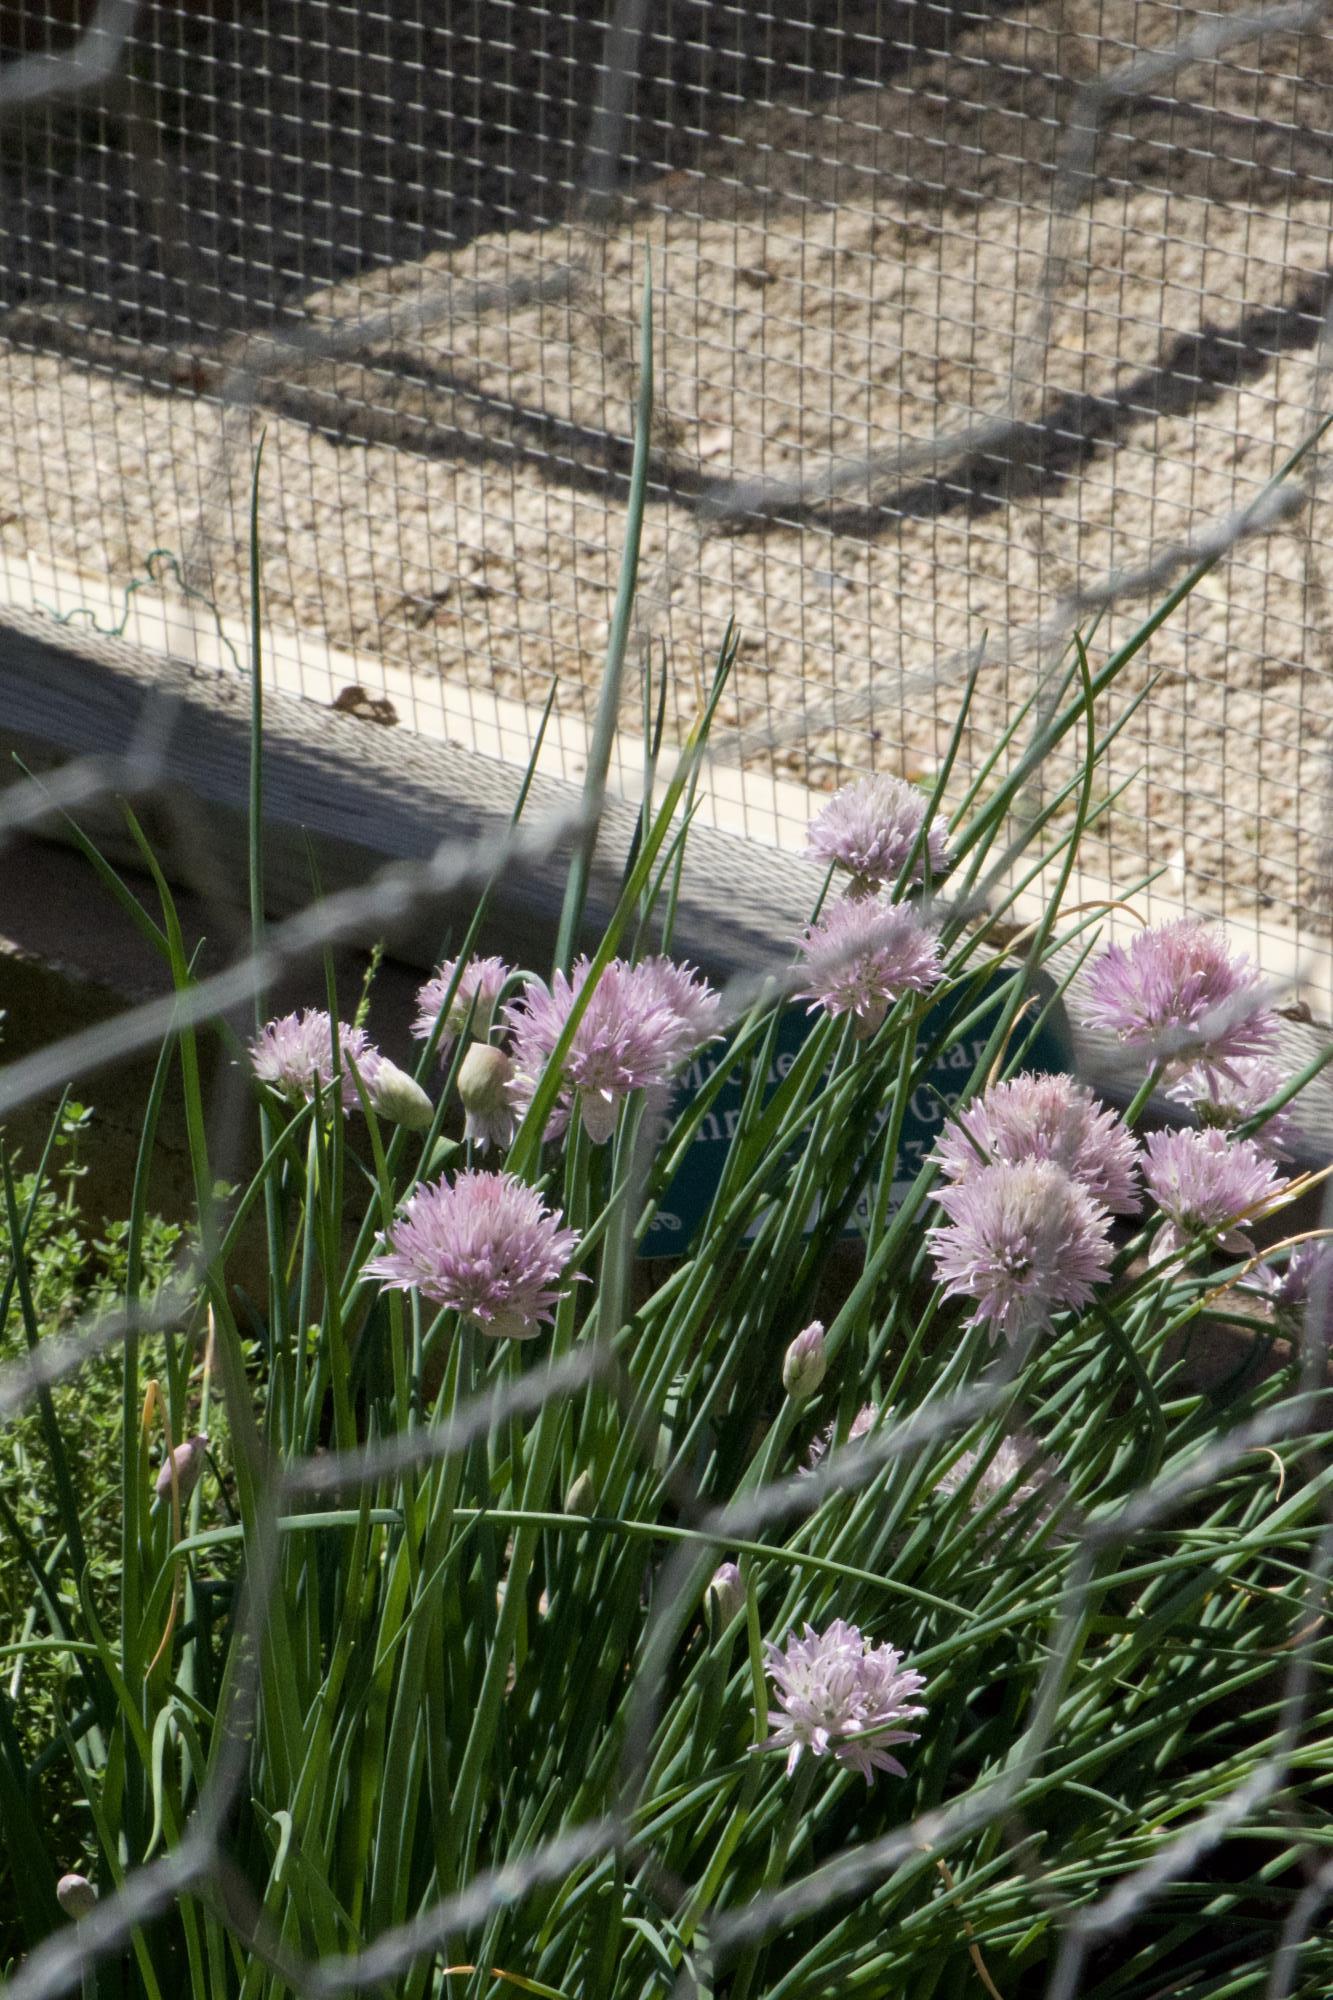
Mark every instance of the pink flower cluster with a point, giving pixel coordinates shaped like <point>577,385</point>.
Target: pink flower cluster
<point>1185,1004</point>
<point>1177,996</point>
<point>1208,1184</point>
<point>1248,1088</point>
<point>484,1244</point>
<point>863,957</point>
<point>1001,1476</point>
<point>476,989</point>
<point>1046,1118</point>
<point>294,1055</point>
<point>842,1696</point>
<point>1035,1168</point>
<point>1306,1279</point>
<point>640,1024</point>
<point>1023,1242</point>
<point>870,828</point>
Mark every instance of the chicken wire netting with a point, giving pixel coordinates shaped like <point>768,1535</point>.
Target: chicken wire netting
<point>971,328</point>
<point>971,324</point>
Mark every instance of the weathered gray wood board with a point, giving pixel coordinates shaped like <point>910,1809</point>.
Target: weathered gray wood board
<point>360,798</point>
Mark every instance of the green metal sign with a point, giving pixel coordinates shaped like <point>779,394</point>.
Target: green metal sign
<point>687,1200</point>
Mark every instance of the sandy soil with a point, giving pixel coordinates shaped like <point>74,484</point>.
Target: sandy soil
<point>840,279</point>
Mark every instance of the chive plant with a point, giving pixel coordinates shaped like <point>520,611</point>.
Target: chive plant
<point>877,1596</point>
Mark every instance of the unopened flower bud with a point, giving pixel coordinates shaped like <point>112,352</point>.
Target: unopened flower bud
<point>397,1097</point>
<point>188,1459</point>
<point>582,1495</point>
<point>484,1076</point>
<point>725,1595</point>
<point>76,1896</point>
<point>870,1020</point>
<point>600,1109</point>
<point>805,1362</point>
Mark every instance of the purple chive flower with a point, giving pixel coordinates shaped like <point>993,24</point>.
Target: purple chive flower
<point>1002,1473</point>
<point>1177,995</point>
<point>640,1024</point>
<point>688,996</point>
<point>480,982</point>
<point>870,827</point>
<point>862,1424</point>
<point>1308,1271</point>
<point>1046,1118</point>
<point>484,1244</point>
<point>188,1460</point>
<point>863,956</point>
<point>842,1696</point>
<point>1205,1182</point>
<point>292,1053</point>
<point>1225,1101</point>
<point>1023,1241</point>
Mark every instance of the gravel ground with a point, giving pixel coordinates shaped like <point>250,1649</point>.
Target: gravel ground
<point>834,278</point>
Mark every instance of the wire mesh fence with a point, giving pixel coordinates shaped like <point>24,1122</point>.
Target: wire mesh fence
<point>967,319</point>
<point>972,327</point>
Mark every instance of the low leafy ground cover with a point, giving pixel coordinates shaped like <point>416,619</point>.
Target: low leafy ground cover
<point>864,1600</point>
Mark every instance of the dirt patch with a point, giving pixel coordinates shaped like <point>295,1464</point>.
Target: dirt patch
<point>837,282</point>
